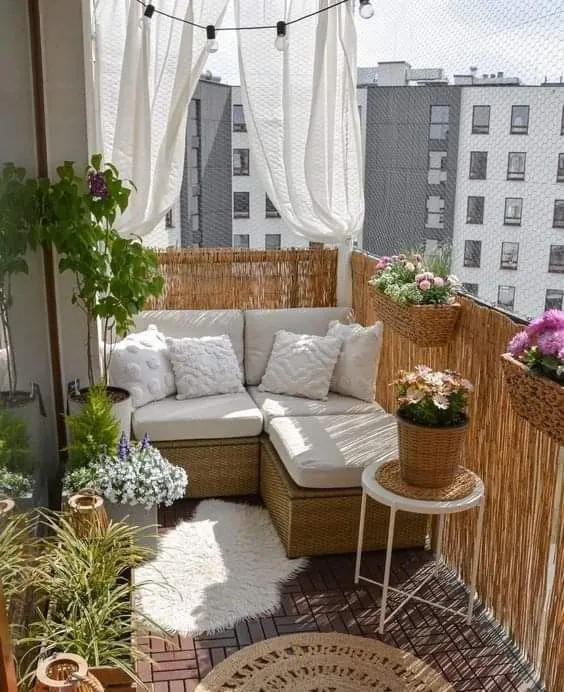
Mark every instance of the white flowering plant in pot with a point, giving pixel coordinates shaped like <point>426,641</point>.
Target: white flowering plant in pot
<point>138,475</point>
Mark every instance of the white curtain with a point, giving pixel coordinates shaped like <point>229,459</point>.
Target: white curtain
<point>302,119</point>
<point>146,71</point>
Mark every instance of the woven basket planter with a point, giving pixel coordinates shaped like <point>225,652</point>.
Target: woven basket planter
<point>534,397</point>
<point>424,325</point>
<point>429,455</point>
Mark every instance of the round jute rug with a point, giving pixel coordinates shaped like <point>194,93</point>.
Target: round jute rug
<point>316,662</point>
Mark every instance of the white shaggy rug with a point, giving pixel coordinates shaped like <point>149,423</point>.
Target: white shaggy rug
<point>223,565</point>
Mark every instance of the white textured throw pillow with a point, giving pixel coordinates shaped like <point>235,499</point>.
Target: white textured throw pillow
<point>204,366</point>
<point>301,365</point>
<point>140,364</point>
<point>357,367</point>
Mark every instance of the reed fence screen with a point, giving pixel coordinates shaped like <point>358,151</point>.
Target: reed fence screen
<point>228,278</point>
<point>520,469</point>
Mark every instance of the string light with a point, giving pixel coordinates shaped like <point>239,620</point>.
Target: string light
<point>149,11</point>
<point>212,45</point>
<point>281,42</point>
<point>365,9</point>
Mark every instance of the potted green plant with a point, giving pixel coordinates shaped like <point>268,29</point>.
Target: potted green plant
<point>432,425</point>
<point>16,462</point>
<point>416,299</point>
<point>533,370</point>
<point>114,276</point>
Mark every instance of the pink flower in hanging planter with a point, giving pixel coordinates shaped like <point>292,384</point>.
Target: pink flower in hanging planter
<point>519,344</point>
<point>439,282</point>
<point>425,285</point>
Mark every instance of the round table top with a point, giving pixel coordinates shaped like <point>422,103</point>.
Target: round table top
<point>407,504</point>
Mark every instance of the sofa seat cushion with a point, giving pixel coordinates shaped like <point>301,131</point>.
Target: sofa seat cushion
<point>276,405</point>
<point>332,451</point>
<point>204,418</point>
<point>261,327</point>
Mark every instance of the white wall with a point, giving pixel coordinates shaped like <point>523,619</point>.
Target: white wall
<point>542,144</point>
<point>17,144</point>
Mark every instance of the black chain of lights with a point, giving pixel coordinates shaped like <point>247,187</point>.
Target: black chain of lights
<point>365,9</point>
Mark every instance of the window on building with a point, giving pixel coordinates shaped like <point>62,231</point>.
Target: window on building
<point>475,210</point>
<point>513,211</point>
<point>553,299</point>
<point>241,240</point>
<point>437,167</point>
<point>270,210</point>
<point>506,297</point>
<point>169,222</point>
<point>519,120</point>
<point>509,255</point>
<point>558,219</point>
<point>313,245</point>
<point>556,259</point>
<point>435,212</point>
<point>562,122</point>
<point>438,126</point>
<point>480,120</point>
<point>472,289</point>
<point>241,205</point>
<point>240,162</point>
<point>239,124</point>
<point>516,165</point>
<point>272,241</point>
<point>195,219</point>
<point>560,169</point>
<point>472,253</point>
<point>478,165</point>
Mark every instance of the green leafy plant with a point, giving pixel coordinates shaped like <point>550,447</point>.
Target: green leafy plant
<point>16,463</point>
<point>114,276</point>
<point>22,213</point>
<point>15,544</point>
<point>93,431</point>
<point>90,600</point>
<point>432,398</point>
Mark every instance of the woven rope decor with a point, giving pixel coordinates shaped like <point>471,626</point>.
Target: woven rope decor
<point>66,672</point>
<point>313,661</point>
<point>424,325</point>
<point>535,398</point>
<point>389,477</point>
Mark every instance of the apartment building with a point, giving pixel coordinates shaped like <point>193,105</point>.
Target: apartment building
<point>508,241</point>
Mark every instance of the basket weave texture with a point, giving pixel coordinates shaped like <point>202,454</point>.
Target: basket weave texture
<point>424,325</point>
<point>535,398</point>
<point>429,455</point>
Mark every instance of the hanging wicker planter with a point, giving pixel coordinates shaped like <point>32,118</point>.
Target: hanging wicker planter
<point>430,455</point>
<point>424,325</point>
<point>535,397</point>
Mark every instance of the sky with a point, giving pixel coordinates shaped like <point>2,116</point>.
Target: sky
<point>522,38</point>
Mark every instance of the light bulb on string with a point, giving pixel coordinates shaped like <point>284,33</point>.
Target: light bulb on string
<point>212,46</point>
<point>145,20</point>
<point>281,42</point>
<point>366,10</point>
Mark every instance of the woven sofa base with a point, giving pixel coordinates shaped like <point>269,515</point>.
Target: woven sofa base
<point>320,522</point>
<point>218,467</point>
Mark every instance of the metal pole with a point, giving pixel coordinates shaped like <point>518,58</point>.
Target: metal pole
<point>387,568</point>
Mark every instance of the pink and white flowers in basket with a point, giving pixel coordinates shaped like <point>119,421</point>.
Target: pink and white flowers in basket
<point>431,397</point>
<point>541,345</point>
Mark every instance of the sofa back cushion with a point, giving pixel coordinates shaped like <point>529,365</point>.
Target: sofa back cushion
<point>196,323</point>
<point>262,325</point>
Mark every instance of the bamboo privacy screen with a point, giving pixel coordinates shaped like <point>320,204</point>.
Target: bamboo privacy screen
<point>519,468</point>
<point>226,278</point>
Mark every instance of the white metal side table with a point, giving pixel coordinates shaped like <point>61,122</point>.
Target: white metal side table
<point>371,488</point>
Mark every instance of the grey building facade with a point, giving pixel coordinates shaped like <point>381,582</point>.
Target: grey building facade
<point>205,197</point>
<point>411,164</point>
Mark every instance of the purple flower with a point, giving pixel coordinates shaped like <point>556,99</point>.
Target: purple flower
<point>518,344</point>
<point>551,320</point>
<point>123,447</point>
<point>145,442</point>
<point>97,185</point>
<point>551,343</point>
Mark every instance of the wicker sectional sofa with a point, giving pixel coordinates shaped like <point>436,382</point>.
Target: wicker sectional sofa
<point>303,456</point>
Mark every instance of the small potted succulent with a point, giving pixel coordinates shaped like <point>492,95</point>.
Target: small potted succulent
<point>416,299</point>
<point>533,370</point>
<point>432,425</point>
<point>134,482</point>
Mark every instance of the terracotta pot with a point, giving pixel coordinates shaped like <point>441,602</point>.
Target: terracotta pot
<point>429,455</point>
